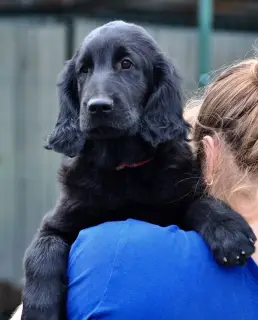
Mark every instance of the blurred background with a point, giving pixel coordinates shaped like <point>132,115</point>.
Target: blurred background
<point>36,37</point>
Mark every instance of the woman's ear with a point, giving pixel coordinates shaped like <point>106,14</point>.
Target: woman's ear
<point>210,148</point>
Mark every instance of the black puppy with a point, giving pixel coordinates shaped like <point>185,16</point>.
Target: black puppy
<point>121,124</point>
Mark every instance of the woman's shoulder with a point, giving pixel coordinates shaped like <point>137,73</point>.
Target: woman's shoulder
<point>129,255</point>
<point>119,268</point>
<point>131,238</point>
<point>137,236</point>
<point>122,245</point>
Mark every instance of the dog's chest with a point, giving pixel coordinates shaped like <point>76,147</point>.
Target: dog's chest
<point>132,186</point>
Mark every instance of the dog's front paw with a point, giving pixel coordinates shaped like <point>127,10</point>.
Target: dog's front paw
<point>226,232</point>
<point>42,302</point>
<point>232,241</point>
<point>35,314</point>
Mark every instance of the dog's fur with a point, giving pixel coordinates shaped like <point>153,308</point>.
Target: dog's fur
<point>138,118</point>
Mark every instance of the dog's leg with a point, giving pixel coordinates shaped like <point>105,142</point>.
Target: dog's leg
<point>46,262</point>
<point>45,276</point>
<point>227,233</point>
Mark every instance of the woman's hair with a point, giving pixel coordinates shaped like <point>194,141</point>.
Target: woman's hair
<point>228,111</point>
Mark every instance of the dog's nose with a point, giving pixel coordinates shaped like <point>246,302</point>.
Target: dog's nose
<point>100,105</point>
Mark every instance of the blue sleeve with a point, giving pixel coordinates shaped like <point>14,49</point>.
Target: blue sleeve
<point>135,270</point>
<point>98,258</point>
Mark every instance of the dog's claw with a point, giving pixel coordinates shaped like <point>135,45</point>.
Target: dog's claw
<point>236,247</point>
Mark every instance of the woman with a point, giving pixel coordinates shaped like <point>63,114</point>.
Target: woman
<point>135,270</point>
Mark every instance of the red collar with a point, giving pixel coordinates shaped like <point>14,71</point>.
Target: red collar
<point>133,165</point>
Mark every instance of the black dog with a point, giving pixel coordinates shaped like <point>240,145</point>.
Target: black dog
<point>121,124</point>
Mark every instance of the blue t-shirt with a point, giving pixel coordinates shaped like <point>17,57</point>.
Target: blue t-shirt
<point>135,270</point>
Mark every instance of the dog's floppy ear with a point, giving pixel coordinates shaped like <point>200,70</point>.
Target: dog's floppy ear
<point>66,137</point>
<point>163,114</point>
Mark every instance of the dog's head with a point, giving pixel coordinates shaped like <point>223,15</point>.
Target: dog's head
<point>117,84</point>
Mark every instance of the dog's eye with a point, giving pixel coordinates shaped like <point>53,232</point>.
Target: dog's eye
<point>126,64</point>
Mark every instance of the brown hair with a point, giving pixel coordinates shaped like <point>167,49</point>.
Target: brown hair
<point>228,110</point>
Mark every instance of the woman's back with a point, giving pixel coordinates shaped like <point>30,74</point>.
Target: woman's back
<point>135,270</point>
